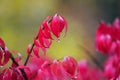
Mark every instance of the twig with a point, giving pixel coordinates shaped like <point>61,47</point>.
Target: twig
<point>30,52</point>
<point>13,59</point>
<point>22,70</point>
<point>92,57</point>
<point>28,56</point>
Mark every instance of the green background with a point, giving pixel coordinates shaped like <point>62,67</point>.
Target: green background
<point>20,20</point>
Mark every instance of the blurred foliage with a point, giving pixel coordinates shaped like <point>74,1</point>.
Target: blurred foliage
<point>20,20</point>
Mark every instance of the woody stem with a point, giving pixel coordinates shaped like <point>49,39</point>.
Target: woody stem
<point>28,56</point>
<point>22,70</point>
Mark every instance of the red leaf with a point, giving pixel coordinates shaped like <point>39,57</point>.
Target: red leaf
<point>2,44</point>
<point>6,56</point>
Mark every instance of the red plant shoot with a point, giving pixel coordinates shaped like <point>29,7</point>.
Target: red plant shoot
<point>42,67</point>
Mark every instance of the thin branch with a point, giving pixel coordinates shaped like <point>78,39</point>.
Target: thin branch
<point>24,74</point>
<point>22,70</point>
<point>28,56</point>
<point>13,59</point>
<point>92,57</point>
